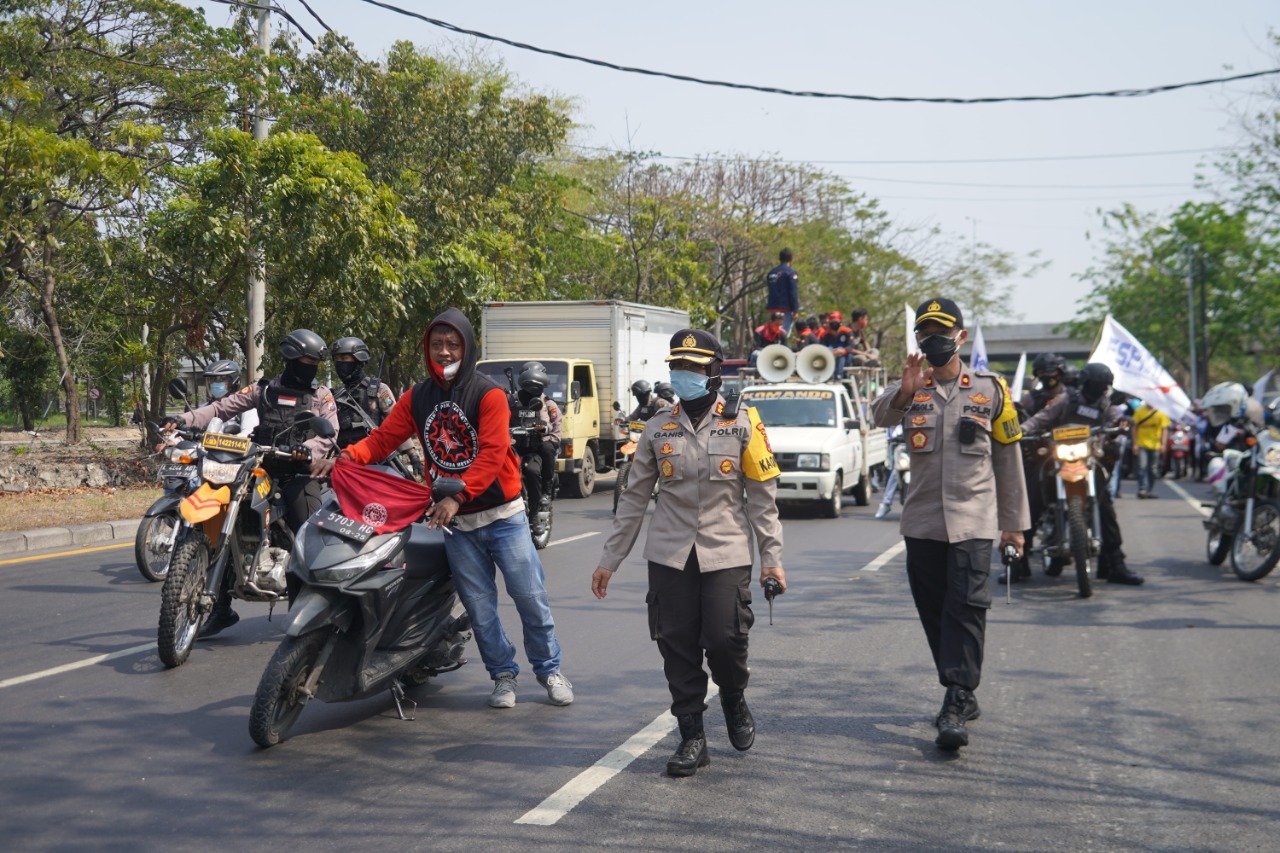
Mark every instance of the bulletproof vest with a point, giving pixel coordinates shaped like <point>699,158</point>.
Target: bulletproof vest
<point>1081,412</point>
<point>1039,399</point>
<point>352,426</point>
<point>643,413</point>
<point>274,418</point>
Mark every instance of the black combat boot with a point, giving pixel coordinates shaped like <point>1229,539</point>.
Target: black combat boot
<point>692,752</point>
<point>1120,573</point>
<point>738,719</point>
<point>958,707</point>
<point>220,618</point>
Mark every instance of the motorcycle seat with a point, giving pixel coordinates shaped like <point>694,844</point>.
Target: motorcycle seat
<point>424,553</point>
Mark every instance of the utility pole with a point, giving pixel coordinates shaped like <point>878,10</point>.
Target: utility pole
<point>1189,256</point>
<point>257,264</point>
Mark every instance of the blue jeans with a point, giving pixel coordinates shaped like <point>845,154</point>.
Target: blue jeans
<point>1147,469</point>
<point>506,545</point>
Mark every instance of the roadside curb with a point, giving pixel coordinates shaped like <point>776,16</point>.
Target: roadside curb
<point>48,538</point>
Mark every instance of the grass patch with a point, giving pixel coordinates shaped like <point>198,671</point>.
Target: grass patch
<point>18,451</point>
<point>64,507</point>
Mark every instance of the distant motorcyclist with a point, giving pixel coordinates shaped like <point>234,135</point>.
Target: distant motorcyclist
<point>1048,368</point>
<point>222,378</point>
<point>363,401</point>
<point>277,401</point>
<point>1089,404</point>
<point>666,391</point>
<point>647,401</point>
<point>1233,416</point>
<point>532,386</point>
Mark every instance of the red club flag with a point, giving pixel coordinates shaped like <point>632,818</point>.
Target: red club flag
<point>383,501</point>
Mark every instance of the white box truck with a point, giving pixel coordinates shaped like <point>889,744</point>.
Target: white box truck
<point>593,352</point>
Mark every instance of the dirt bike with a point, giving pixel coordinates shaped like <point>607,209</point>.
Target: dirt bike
<point>1070,528</point>
<point>158,531</point>
<point>234,522</point>
<point>1245,522</point>
<point>373,612</point>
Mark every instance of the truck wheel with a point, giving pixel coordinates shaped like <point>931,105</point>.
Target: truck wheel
<point>831,508</point>
<point>579,485</point>
<point>860,492</point>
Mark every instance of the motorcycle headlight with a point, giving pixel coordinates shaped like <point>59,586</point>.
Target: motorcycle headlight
<point>813,461</point>
<point>1073,452</point>
<point>1273,456</point>
<point>358,565</point>
<point>220,472</point>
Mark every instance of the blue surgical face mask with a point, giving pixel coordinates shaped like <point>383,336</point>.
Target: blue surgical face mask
<point>218,390</point>
<point>689,385</point>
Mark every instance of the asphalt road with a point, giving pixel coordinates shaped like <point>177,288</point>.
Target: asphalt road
<point>1140,719</point>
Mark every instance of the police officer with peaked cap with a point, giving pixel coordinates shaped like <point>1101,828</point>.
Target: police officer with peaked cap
<point>967,490</point>
<point>718,491</point>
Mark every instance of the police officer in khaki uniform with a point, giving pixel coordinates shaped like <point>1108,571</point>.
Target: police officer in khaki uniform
<point>717,490</point>
<point>967,486</point>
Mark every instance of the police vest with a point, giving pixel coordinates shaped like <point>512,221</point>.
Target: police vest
<point>1081,412</point>
<point>1039,399</point>
<point>277,412</point>
<point>352,425</point>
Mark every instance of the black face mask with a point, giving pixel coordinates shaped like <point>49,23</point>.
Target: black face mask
<point>298,375</point>
<point>939,349</point>
<point>1049,381</point>
<point>834,325</point>
<point>1093,391</point>
<point>348,371</point>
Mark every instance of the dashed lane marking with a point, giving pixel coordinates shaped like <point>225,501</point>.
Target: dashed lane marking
<point>68,667</point>
<point>577,789</point>
<point>895,550</point>
<point>1186,496</point>
<point>573,538</point>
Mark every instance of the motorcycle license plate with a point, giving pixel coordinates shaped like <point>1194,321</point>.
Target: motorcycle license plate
<point>526,414</point>
<point>1070,433</point>
<point>347,528</point>
<point>174,469</point>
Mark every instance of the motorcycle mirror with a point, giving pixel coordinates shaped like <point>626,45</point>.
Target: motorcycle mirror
<point>320,426</point>
<point>177,388</point>
<point>446,487</point>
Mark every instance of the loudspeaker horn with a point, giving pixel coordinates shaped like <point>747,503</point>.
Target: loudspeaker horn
<point>776,363</point>
<point>815,363</point>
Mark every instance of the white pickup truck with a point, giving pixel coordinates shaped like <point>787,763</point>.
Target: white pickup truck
<point>824,443</point>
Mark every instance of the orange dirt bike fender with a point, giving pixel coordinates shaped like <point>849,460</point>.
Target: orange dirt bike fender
<point>204,503</point>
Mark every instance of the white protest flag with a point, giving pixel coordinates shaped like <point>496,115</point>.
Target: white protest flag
<point>1260,387</point>
<point>912,348</point>
<point>1019,376</point>
<point>1138,373</point>
<point>978,359</point>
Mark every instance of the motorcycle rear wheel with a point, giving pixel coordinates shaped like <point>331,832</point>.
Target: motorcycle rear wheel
<point>620,483</point>
<point>180,615</point>
<point>153,562</point>
<point>1254,553</point>
<point>1078,529</point>
<point>280,700</point>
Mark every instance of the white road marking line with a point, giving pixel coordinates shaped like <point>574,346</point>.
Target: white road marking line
<point>1186,496</point>
<point>68,667</point>
<point>874,565</point>
<point>577,789</point>
<point>574,538</point>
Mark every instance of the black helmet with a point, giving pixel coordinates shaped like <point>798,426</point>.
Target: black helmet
<point>351,346</point>
<point>224,369</point>
<point>665,390</point>
<point>641,388</point>
<point>1048,362</point>
<point>303,342</point>
<point>1070,375</point>
<point>534,378</point>
<point>1095,379</point>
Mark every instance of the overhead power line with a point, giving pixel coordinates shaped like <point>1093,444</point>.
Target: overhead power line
<point>773,90</point>
<point>975,160</point>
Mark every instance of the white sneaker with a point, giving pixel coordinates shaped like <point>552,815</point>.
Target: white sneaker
<point>882,511</point>
<point>504,691</point>
<point>559,690</point>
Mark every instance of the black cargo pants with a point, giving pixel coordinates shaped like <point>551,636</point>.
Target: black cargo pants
<point>951,585</point>
<point>692,613</point>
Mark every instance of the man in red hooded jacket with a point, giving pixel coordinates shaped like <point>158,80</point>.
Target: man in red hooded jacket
<point>463,419</point>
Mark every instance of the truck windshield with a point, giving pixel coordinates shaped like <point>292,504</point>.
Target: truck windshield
<point>784,408</point>
<point>558,390</point>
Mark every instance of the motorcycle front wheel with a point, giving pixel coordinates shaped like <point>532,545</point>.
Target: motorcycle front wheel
<point>1254,552</point>
<point>281,697</point>
<point>154,544</point>
<point>1217,546</point>
<point>180,615</point>
<point>1078,529</point>
<point>620,483</point>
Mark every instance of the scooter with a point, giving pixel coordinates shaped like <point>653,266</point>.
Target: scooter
<point>1177,451</point>
<point>372,612</point>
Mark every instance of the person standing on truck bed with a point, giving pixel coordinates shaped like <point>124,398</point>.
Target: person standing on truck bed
<point>966,486</point>
<point>784,290</point>
<point>719,486</point>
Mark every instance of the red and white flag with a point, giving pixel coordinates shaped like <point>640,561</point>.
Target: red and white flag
<point>383,501</point>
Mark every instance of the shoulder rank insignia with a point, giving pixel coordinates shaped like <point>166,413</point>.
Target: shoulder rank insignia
<point>719,408</point>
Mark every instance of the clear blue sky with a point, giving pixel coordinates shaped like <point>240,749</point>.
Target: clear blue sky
<point>894,48</point>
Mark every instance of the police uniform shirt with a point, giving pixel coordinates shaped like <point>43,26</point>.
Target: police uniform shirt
<point>252,396</point>
<point>703,473</point>
<point>960,491</point>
